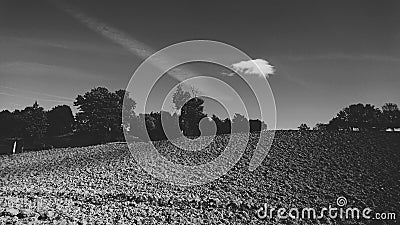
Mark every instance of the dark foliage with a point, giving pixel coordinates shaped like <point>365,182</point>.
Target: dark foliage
<point>100,113</point>
<point>61,120</point>
<point>357,117</point>
<point>303,127</point>
<point>257,125</point>
<point>362,117</point>
<point>191,114</point>
<point>155,126</point>
<point>7,121</point>
<point>320,127</point>
<point>35,122</point>
<point>390,117</point>
<point>223,126</point>
<point>29,124</point>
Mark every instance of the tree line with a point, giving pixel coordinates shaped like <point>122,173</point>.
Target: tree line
<point>189,120</point>
<point>100,119</point>
<point>362,117</point>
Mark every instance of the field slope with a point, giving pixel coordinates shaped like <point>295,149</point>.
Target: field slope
<point>103,184</point>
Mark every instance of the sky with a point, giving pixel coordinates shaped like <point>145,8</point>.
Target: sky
<point>325,55</point>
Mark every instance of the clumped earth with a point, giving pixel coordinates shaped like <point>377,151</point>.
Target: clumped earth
<point>104,185</point>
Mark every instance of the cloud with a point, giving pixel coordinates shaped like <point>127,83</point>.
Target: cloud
<point>342,56</point>
<point>38,93</point>
<point>123,39</point>
<point>33,69</point>
<point>35,98</point>
<point>258,67</point>
<point>111,33</point>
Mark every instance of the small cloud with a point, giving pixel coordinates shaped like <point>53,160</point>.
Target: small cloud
<point>226,73</point>
<point>258,67</point>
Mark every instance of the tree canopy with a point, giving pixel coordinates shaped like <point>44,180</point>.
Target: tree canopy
<point>191,114</point>
<point>100,112</point>
<point>35,122</point>
<point>104,115</point>
<point>390,116</point>
<point>366,118</point>
<point>60,120</point>
<point>303,127</point>
<point>180,97</point>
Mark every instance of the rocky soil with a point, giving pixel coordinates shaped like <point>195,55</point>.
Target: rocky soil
<point>104,185</point>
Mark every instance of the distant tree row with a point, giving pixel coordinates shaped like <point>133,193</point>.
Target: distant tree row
<point>34,123</point>
<point>164,125</point>
<point>100,114</point>
<point>99,119</point>
<point>189,120</point>
<point>360,117</point>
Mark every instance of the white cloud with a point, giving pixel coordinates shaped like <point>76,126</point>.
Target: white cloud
<point>258,67</point>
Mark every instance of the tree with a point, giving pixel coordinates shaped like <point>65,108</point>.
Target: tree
<point>240,123</point>
<point>320,127</point>
<point>223,126</point>
<point>257,125</point>
<point>60,120</point>
<point>180,97</point>
<point>157,123</point>
<point>35,122</point>
<point>6,121</point>
<point>155,126</point>
<point>126,105</point>
<point>390,118</point>
<point>195,91</point>
<point>16,124</point>
<point>337,124</point>
<point>226,126</point>
<point>356,117</point>
<point>191,114</point>
<point>141,126</point>
<point>28,123</point>
<point>303,127</point>
<point>100,113</point>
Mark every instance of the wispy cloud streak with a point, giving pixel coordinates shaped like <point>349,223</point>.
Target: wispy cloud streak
<point>119,37</point>
<point>39,93</point>
<point>340,56</point>
<point>134,46</point>
<point>33,98</point>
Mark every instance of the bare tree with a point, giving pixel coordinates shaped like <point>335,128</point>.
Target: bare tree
<point>195,91</point>
<point>180,97</point>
